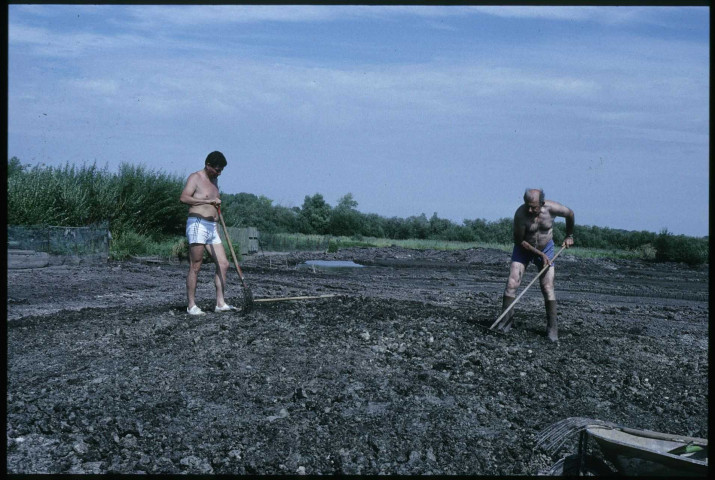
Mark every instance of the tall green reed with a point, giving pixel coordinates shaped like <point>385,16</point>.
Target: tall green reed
<point>134,199</point>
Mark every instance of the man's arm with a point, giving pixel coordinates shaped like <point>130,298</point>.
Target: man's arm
<point>519,229</point>
<point>187,195</point>
<point>520,235</point>
<point>558,210</point>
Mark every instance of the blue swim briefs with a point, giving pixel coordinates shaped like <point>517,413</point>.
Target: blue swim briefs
<point>522,255</point>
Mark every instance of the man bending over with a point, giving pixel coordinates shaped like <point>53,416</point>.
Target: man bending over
<point>533,241</point>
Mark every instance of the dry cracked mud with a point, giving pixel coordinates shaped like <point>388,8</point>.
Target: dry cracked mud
<point>395,374</point>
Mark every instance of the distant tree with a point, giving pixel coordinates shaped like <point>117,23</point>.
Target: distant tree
<point>14,167</point>
<point>314,216</point>
<point>418,226</point>
<point>502,231</point>
<point>395,228</point>
<point>372,225</point>
<point>439,228</point>
<point>679,248</point>
<point>248,210</point>
<point>477,228</point>
<point>286,219</point>
<point>344,218</point>
<point>347,202</point>
<point>461,233</point>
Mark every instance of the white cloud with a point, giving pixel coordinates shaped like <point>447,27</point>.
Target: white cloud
<point>96,86</point>
<point>617,15</point>
<point>19,34</point>
<point>187,15</point>
<point>51,43</point>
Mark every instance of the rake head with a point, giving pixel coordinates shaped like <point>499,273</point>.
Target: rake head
<point>553,437</point>
<point>247,299</point>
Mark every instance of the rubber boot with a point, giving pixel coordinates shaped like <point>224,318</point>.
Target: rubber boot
<point>508,321</point>
<point>552,330</point>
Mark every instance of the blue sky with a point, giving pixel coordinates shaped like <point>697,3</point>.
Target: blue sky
<point>412,109</point>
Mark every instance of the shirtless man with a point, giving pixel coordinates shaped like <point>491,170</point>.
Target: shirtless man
<point>533,240</point>
<point>202,197</point>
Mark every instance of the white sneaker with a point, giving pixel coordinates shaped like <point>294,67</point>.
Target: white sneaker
<point>195,310</point>
<point>225,308</point>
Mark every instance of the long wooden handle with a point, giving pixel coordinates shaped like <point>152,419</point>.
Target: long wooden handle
<point>283,299</point>
<point>546,267</point>
<point>230,246</point>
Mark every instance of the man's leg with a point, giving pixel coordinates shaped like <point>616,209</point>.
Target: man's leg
<point>218,254</point>
<point>547,290</point>
<point>516,272</point>
<point>196,255</point>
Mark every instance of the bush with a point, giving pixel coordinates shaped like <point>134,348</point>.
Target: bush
<point>646,251</point>
<point>127,244</point>
<point>135,199</point>
<point>180,250</point>
<point>679,248</point>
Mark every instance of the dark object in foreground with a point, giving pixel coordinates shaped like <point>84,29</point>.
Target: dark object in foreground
<point>247,299</point>
<point>247,294</point>
<point>632,451</point>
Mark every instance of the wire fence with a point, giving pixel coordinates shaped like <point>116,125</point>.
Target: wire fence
<point>92,240</point>
<point>287,242</point>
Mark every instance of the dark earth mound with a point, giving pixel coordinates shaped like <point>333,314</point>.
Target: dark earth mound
<point>396,374</point>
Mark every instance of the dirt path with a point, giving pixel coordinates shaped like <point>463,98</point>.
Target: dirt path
<point>395,375</point>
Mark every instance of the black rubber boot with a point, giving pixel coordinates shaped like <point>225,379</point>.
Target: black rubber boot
<point>508,321</point>
<point>552,329</point>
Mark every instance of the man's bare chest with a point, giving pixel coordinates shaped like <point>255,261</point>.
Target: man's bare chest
<point>539,224</point>
<point>206,189</point>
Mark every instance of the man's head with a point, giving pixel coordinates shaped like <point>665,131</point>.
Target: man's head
<point>534,200</point>
<point>215,161</point>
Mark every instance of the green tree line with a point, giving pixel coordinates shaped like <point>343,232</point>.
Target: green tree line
<point>143,201</point>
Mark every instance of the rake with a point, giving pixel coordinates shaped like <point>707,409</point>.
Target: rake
<point>508,309</point>
<point>285,299</point>
<point>554,436</point>
<point>247,294</point>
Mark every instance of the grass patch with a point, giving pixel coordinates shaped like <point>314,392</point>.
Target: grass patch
<point>131,244</point>
<point>337,243</point>
<point>646,252</point>
<point>609,253</point>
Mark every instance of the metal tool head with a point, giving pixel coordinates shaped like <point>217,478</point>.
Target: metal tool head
<point>247,300</point>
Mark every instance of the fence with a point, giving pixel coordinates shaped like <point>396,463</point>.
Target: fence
<point>60,240</point>
<point>247,239</point>
<point>287,242</point>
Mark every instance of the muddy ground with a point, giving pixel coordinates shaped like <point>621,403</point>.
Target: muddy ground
<point>396,374</point>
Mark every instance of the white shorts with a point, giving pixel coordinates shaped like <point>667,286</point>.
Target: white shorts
<point>202,231</point>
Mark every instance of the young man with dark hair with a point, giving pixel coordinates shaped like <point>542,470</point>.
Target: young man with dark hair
<point>202,196</point>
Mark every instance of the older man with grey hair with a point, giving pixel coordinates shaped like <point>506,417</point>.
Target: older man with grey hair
<point>533,241</point>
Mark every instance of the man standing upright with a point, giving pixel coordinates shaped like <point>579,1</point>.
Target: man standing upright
<point>533,241</point>
<point>202,196</point>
